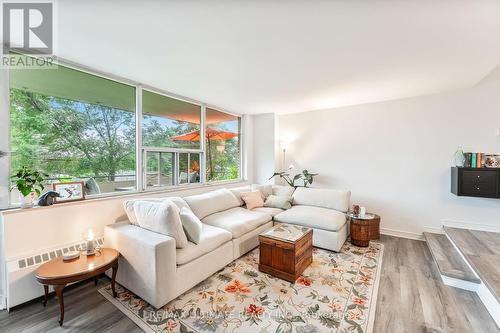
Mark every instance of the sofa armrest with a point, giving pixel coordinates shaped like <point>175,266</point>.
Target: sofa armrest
<point>147,261</point>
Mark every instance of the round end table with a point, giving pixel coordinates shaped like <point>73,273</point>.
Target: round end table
<point>364,228</point>
<point>58,273</point>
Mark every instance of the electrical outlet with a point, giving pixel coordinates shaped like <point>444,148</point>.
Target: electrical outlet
<point>498,132</point>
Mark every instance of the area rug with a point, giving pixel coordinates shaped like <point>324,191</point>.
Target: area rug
<point>337,293</point>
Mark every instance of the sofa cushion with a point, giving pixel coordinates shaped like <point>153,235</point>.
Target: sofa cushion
<point>128,205</point>
<point>237,192</point>
<point>238,221</point>
<point>265,190</point>
<point>322,197</point>
<point>211,238</point>
<point>313,217</point>
<point>161,217</point>
<point>281,190</point>
<point>268,210</point>
<point>212,202</point>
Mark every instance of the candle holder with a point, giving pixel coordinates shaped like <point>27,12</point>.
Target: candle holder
<point>89,243</point>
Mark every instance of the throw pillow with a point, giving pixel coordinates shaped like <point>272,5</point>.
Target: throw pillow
<point>192,225</point>
<point>279,201</point>
<point>128,205</point>
<point>265,190</point>
<point>252,199</point>
<point>161,217</point>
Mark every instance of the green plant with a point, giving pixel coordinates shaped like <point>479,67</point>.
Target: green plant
<point>28,181</point>
<point>306,177</point>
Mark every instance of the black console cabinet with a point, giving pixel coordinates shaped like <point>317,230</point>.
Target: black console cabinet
<point>475,182</point>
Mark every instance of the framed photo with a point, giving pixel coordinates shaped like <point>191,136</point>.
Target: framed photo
<point>72,191</point>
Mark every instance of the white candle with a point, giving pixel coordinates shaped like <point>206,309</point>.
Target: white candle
<point>362,211</point>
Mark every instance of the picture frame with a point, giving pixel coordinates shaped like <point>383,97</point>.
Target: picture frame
<point>70,191</point>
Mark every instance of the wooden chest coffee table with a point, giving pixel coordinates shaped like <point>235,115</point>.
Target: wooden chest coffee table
<point>285,251</point>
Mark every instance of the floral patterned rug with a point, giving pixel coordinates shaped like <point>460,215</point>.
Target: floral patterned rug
<point>337,293</point>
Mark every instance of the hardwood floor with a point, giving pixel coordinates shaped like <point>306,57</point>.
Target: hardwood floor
<point>411,298</point>
<point>449,261</point>
<point>482,250</point>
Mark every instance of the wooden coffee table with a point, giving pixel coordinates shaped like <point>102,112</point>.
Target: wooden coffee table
<point>285,251</point>
<point>59,273</point>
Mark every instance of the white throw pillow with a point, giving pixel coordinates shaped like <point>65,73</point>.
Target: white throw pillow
<point>128,205</point>
<point>265,190</point>
<point>161,217</point>
<point>279,201</point>
<point>192,225</point>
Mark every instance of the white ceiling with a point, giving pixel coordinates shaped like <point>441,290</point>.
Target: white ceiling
<point>286,56</point>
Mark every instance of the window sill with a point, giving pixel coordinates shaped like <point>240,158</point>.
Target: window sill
<point>17,208</point>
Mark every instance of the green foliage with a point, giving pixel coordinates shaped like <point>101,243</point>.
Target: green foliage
<point>27,181</point>
<point>306,178</point>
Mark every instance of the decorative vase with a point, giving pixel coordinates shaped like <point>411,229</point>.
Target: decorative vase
<point>27,201</point>
<point>459,157</point>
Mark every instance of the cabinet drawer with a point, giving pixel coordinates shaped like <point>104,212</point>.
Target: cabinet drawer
<point>479,176</point>
<point>479,183</point>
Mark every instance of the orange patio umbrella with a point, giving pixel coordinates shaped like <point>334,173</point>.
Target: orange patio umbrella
<point>212,134</point>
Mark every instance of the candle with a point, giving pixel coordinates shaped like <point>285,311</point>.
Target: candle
<point>90,242</point>
<point>362,211</point>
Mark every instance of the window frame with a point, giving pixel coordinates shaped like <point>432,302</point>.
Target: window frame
<point>140,149</point>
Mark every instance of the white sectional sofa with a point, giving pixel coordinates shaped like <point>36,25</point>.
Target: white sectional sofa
<point>152,267</point>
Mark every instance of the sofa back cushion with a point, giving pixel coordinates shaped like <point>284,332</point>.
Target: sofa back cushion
<point>265,190</point>
<point>212,202</point>
<point>161,217</point>
<point>283,190</point>
<point>237,192</point>
<point>320,197</point>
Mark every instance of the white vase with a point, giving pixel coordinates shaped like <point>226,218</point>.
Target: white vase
<point>27,201</point>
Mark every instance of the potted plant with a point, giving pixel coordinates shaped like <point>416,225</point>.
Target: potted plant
<point>29,184</point>
<point>306,178</point>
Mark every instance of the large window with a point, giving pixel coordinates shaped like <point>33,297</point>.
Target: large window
<point>73,126</point>
<point>77,126</point>
<point>222,145</point>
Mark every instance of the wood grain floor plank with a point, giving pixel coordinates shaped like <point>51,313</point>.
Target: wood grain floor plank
<point>481,251</point>
<point>411,299</point>
<point>449,261</point>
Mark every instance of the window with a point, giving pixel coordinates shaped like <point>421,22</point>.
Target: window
<point>77,126</point>
<point>73,126</point>
<point>222,145</point>
<point>169,122</point>
<point>170,127</point>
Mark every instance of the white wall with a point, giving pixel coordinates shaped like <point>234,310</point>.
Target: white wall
<point>263,147</point>
<point>4,138</point>
<point>4,168</point>
<point>396,156</point>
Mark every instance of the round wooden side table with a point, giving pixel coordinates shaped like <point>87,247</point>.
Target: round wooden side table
<point>58,273</point>
<point>364,228</point>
